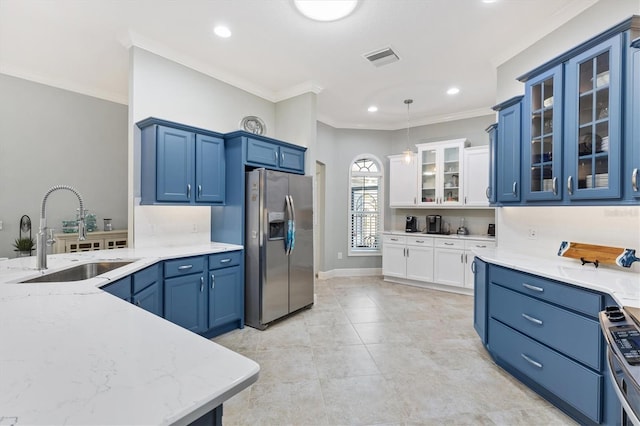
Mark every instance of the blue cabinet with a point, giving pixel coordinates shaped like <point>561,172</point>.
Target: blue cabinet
<point>508,150</point>
<point>593,114</point>
<point>270,153</point>
<point>226,292</point>
<point>185,301</point>
<point>546,333</point>
<point>480,298</point>
<point>542,141</point>
<point>181,164</point>
<point>120,288</point>
<point>147,289</point>
<point>631,177</point>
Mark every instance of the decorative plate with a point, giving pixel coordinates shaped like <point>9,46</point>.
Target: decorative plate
<point>253,124</point>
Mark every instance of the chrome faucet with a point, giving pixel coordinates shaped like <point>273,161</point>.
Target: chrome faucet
<point>42,241</point>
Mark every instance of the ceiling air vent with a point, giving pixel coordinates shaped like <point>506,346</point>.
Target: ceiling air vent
<point>382,57</point>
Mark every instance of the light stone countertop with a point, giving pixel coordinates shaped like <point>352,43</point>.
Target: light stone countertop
<point>72,354</point>
<point>483,237</point>
<point>623,286</point>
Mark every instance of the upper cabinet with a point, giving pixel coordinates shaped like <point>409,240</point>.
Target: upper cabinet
<point>508,148</point>
<point>403,182</point>
<point>271,153</point>
<point>578,127</point>
<point>476,176</point>
<point>441,173</point>
<point>542,127</point>
<point>181,165</point>
<point>593,142</point>
<point>493,147</point>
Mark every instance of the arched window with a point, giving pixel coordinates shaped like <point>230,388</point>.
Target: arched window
<point>365,205</point>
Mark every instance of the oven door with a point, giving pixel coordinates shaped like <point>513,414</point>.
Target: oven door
<point>627,390</point>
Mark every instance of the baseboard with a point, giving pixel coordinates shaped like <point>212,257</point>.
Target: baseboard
<point>349,272</point>
<point>432,286</point>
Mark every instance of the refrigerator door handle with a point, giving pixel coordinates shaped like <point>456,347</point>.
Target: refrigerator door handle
<point>287,236</point>
<point>292,226</point>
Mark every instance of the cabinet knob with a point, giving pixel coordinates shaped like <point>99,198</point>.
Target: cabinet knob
<point>634,180</point>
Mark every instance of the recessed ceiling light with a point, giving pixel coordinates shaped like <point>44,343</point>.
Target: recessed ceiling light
<point>222,31</point>
<point>489,1</point>
<point>325,10</point>
<point>453,91</point>
<point>372,108</point>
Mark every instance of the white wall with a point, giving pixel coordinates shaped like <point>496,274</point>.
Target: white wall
<point>165,89</point>
<point>614,226</point>
<point>50,136</point>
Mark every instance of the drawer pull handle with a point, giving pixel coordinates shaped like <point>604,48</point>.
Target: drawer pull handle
<point>199,191</point>
<point>532,319</point>
<point>188,191</point>
<point>570,185</point>
<point>420,241</point>
<point>514,189</point>
<point>533,287</point>
<point>227,260</point>
<point>481,246</point>
<point>393,239</point>
<point>184,267</point>
<point>530,361</point>
<point>201,284</point>
<point>634,180</point>
<point>448,244</point>
<point>554,186</point>
<point>213,281</point>
<point>473,267</point>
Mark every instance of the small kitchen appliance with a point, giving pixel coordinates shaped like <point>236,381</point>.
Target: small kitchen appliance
<point>434,224</point>
<point>491,231</point>
<point>411,225</point>
<point>462,230</point>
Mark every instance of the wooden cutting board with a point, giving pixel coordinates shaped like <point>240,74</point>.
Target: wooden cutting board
<point>591,253</point>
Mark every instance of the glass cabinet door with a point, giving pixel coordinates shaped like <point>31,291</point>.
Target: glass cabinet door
<point>594,122</point>
<point>428,175</point>
<point>450,188</point>
<point>542,156</point>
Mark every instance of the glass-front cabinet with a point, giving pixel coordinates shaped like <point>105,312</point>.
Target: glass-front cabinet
<point>542,130</point>
<point>593,122</point>
<point>440,168</point>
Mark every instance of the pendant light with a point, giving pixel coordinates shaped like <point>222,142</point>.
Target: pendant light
<point>408,153</point>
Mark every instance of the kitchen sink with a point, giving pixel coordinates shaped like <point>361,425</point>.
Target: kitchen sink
<point>80,272</point>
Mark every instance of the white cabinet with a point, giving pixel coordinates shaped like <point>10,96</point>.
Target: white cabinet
<point>98,240</point>
<point>449,262</point>
<point>403,181</point>
<point>441,173</point>
<point>408,257</point>
<point>469,245</point>
<point>476,176</point>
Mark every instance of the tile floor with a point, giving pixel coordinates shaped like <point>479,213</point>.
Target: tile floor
<point>376,353</point>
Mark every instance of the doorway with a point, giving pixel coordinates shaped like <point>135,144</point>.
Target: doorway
<point>318,226</point>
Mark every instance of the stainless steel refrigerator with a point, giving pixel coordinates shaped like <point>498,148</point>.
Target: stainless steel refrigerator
<point>279,276</point>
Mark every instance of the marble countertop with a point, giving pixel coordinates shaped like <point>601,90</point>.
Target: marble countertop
<point>483,237</point>
<point>623,286</point>
<point>73,354</point>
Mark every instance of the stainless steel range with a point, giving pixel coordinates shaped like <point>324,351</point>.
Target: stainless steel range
<point>621,329</point>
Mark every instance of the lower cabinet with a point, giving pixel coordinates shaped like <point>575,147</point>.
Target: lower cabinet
<point>546,334</point>
<point>204,294</point>
<point>441,260</point>
<point>408,257</point>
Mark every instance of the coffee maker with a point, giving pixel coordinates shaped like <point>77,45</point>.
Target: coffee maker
<point>412,225</point>
<point>434,224</point>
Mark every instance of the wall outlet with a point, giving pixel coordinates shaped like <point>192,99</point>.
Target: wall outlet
<point>533,233</point>
<point>339,255</point>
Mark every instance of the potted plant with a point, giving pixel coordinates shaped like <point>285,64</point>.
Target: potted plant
<point>24,246</point>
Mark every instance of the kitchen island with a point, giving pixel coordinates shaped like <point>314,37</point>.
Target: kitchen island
<point>74,354</point>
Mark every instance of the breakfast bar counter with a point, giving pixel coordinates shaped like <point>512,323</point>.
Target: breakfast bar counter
<point>73,354</point>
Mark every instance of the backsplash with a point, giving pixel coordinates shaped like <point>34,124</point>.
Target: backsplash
<point>171,226</point>
<point>610,226</point>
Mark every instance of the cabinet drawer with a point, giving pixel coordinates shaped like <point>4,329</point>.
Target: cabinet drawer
<point>470,244</point>
<point>420,241</point>
<point>570,381</point>
<point>393,239</point>
<point>146,277</point>
<point>565,331</point>
<point>222,260</point>
<point>449,243</point>
<point>562,294</point>
<point>186,266</point>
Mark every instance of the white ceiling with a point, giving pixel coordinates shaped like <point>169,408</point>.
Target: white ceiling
<point>276,53</point>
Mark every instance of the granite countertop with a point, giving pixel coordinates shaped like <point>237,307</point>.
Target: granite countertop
<point>623,286</point>
<point>483,237</point>
<point>73,354</point>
